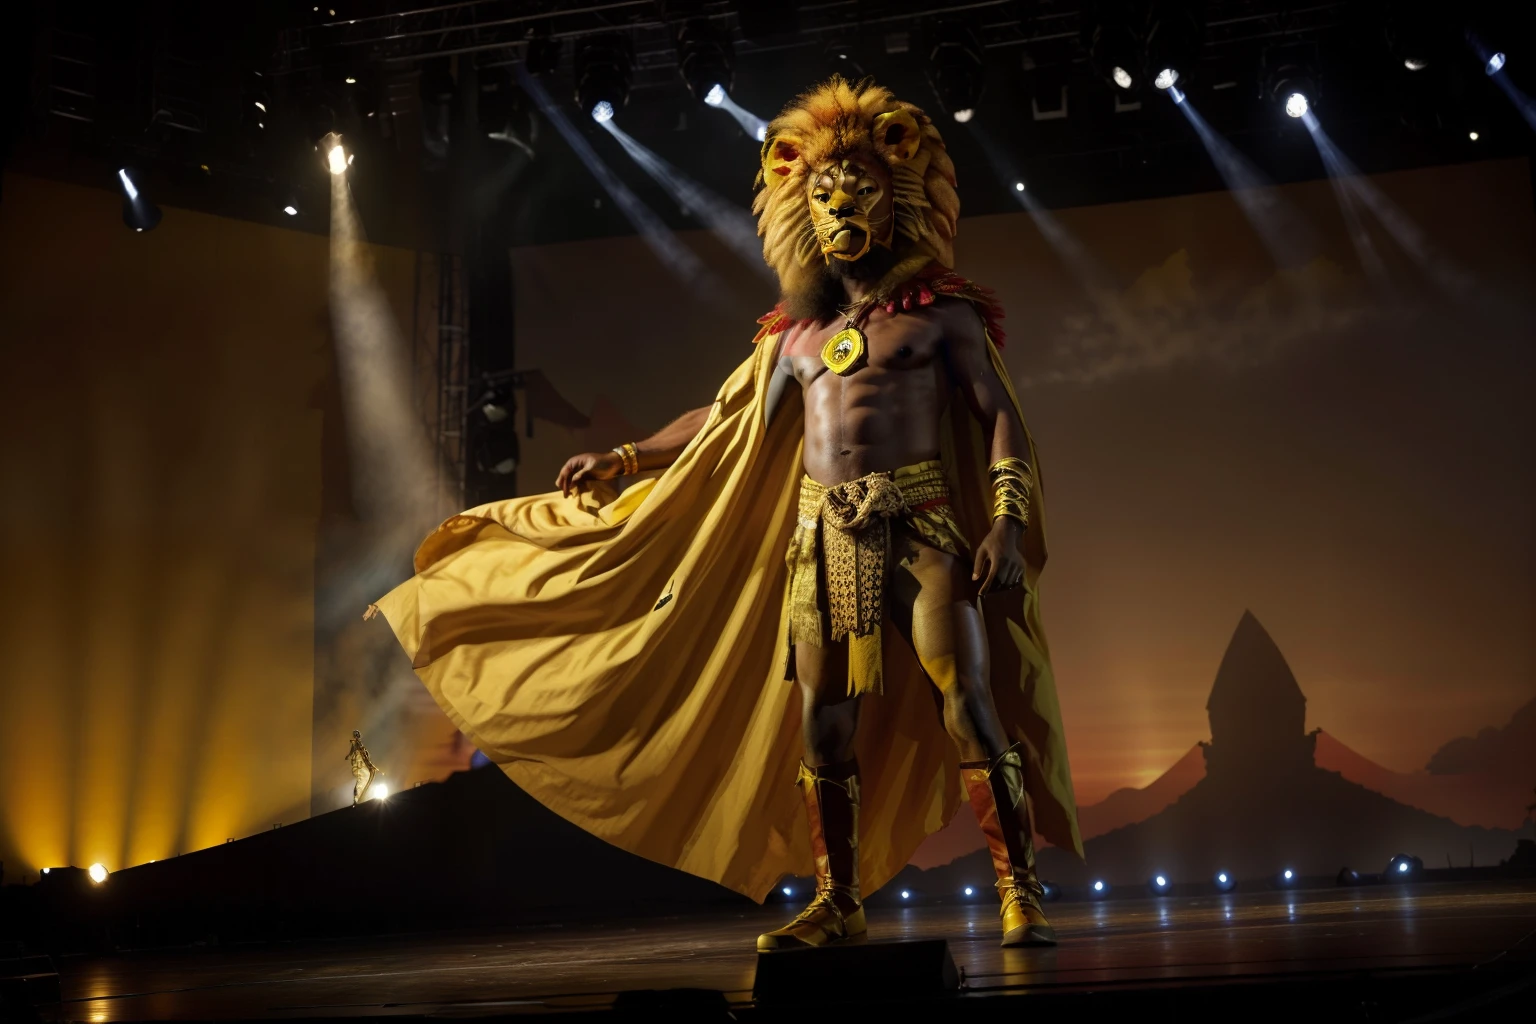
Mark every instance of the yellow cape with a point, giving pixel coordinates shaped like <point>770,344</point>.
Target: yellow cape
<point>623,660</point>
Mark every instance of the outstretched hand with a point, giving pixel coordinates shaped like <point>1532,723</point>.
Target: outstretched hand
<point>587,466</point>
<point>999,561</point>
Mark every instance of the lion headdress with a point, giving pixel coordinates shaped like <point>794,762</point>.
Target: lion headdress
<point>837,119</point>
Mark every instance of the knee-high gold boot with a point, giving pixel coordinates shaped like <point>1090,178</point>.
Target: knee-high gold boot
<point>996,789</point>
<point>837,911</point>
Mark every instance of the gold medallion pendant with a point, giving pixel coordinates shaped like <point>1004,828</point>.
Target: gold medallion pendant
<point>844,351</point>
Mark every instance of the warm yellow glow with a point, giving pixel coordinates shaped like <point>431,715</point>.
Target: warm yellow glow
<point>337,159</point>
<point>380,791</point>
<point>98,873</point>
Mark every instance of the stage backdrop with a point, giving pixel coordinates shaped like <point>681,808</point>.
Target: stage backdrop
<point>164,400</point>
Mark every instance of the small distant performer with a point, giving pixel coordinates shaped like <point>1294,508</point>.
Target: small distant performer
<point>364,771</point>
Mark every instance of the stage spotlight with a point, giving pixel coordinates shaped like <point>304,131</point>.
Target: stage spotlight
<point>1415,64</point>
<point>954,68</point>
<point>1114,44</point>
<point>1296,105</point>
<point>1159,885</point>
<point>291,210</point>
<point>705,60</point>
<point>1474,136</point>
<point>787,891</point>
<point>969,891</point>
<point>46,870</point>
<point>1099,887</point>
<point>1018,186</point>
<point>1175,38</point>
<point>1166,78</point>
<point>98,873</point>
<point>906,894</point>
<point>1285,879</point>
<point>1495,64</point>
<point>602,76</point>
<point>379,791</point>
<point>1403,868</point>
<point>138,212</point>
<point>336,158</point>
<point>1289,79</point>
<point>1223,881</point>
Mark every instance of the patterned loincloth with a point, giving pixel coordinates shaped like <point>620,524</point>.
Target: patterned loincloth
<point>837,576</point>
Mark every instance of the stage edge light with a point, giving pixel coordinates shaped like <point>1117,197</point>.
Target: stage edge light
<point>98,873</point>
<point>787,891</point>
<point>969,891</point>
<point>906,894</point>
<point>1223,881</point>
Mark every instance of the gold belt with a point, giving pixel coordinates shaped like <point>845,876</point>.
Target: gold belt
<point>838,576</point>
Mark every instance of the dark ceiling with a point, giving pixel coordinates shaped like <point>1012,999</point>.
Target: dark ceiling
<point>417,88</point>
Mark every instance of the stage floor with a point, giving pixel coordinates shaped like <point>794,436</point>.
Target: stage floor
<point>1109,945</point>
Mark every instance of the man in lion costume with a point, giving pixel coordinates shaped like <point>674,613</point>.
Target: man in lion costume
<point>654,667</point>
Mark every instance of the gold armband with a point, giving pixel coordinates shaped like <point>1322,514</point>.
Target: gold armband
<point>1012,483</point>
<point>631,458</point>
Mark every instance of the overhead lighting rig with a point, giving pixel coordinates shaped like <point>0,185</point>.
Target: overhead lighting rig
<point>705,60</point>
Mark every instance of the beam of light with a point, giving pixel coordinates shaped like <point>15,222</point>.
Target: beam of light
<point>731,224</point>
<point>1408,235</point>
<point>676,256</point>
<point>393,470</point>
<point>1516,95</point>
<point>1287,237</point>
<point>1349,204</point>
<point>754,126</point>
<point>1495,65</point>
<point>128,187</point>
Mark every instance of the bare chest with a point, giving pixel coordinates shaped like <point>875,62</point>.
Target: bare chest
<point>895,344</point>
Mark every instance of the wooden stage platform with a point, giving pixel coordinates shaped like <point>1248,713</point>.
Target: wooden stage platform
<point>1462,948</point>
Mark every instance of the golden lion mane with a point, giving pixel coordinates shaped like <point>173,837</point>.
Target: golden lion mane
<point>833,120</point>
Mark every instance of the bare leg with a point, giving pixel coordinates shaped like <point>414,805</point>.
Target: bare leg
<point>830,717</point>
<point>929,603</point>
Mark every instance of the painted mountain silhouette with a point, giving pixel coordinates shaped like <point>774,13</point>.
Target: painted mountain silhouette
<point>1263,804</point>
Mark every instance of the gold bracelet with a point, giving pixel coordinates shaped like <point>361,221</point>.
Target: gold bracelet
<point>1012,482</point>
<point>629,454</point>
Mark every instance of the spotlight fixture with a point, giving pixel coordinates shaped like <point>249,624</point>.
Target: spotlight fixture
<point>969,891</point>
<point>1223,881</point>
<point>1018,186</point>
<point>1159,885</point>
<point>1415,63</point>
<point>138,212</point>
<point>906,894</point>
<point>1166,78</point>
<point>380,791</point>
<point>1100,887</point>
<point>1495,65</point>
<point>1474,136</point>
<point>1403,868</point>
<point>291,210</point>
<point>98,873</point>
<point>1289,77</point>
<point>787,891</point>
<point>1174,41</point>
<point>954,68</point>
<point>337,160</point>
<point>602,76</point>
<point>1113,39</point>
<point>705,60</point>
<point>1286,878</point>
